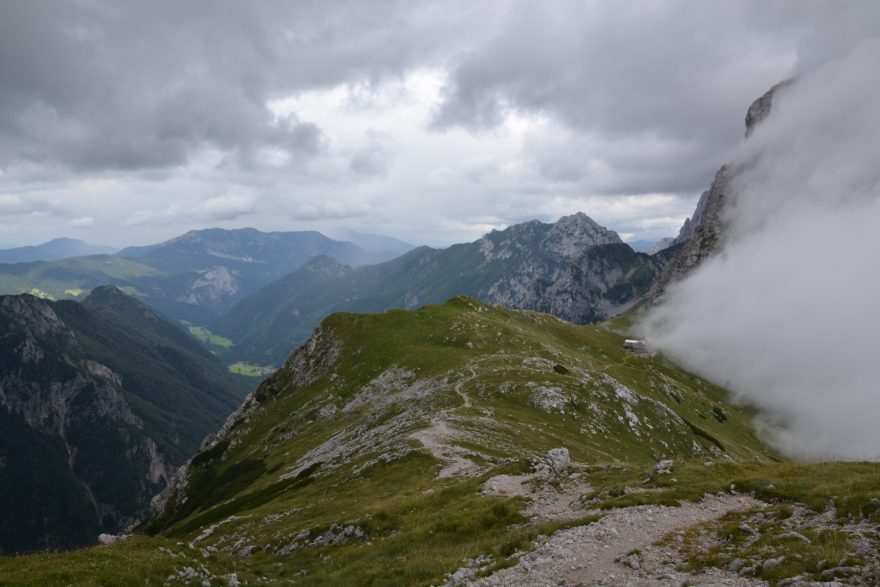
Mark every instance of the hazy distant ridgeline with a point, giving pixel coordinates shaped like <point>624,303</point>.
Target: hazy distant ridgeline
<point>194,277</point>
<point>54,250</point>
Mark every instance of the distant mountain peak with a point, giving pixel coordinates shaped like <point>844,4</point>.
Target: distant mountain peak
<point>570,235</point>
<point>106,292</point>
<point>53,250</point>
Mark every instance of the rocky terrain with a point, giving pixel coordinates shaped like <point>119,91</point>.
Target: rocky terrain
<point>99,404</point>
<point>620,549</point>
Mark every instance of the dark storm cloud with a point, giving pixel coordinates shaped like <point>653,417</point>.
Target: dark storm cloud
<point>133,112</point>
<point>128,85</point>
<point>674,75</point>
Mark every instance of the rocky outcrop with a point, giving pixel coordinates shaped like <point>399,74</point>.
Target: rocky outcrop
<point>99,402</point>
<point>604,281</point>
<point>760,108</point>
<point>91,452</point>
<point>699,238</point>
<point>571,235</point>
<point>211,286</point>
<point>703,233</point>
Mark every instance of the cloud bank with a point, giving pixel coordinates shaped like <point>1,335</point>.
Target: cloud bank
<point>125,112</point>
<point>787,316</point>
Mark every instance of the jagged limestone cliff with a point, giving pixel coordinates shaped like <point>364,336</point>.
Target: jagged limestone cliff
<point>703,234</point>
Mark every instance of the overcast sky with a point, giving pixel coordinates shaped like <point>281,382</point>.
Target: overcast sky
<point>127,122</point>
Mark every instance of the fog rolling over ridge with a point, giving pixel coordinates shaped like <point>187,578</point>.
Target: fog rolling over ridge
<point>788,314</point>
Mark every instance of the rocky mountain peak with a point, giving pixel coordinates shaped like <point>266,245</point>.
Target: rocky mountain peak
<point>760,108</point>
<point>702,234</point>
<point>571,235</point>
<point>33,313</point>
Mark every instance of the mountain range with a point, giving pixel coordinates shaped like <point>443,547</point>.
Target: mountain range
<point>194,277</point>
<point>259,294</point>
<point>53,250</point>
<point>573,269</point>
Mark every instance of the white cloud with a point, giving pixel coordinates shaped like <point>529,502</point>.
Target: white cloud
<point>787,315</point>
<point>82,222</point>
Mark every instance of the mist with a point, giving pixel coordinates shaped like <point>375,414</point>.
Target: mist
<point>787,315</point>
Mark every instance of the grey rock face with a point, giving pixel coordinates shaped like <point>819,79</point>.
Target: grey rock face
<point>558,459</point>
<point>570,235</point>
<point>662,468</point>
<point>602,282</point>
<point>662,244</point>
<point>51,392</point>
<point>760,108</point>
<point>703,234</point>
<point>700,239</point>
<point>211,286</point>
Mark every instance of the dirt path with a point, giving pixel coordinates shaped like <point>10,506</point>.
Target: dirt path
<point>460,392</point>
<point>558,501</point>
<point>619,550</point>
<point>436,439</point>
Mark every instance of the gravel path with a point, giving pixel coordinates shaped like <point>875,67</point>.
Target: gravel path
<point>437,440</point>
<point>546,502</point>
<point>602,553</point>
<point>438,437</point>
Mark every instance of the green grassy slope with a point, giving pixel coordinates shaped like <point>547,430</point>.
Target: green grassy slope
<point>323,477</point>
<point>59,278</point>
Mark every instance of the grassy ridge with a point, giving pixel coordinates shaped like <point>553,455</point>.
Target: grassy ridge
<point>328,446</point>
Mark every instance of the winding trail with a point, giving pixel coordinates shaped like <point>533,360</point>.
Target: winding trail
<point>603,553</point>
<point>436,438</point>
<point>465,397</point>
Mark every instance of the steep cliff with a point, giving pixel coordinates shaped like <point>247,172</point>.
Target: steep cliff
<point>99,402</point>
<point>702,234</point>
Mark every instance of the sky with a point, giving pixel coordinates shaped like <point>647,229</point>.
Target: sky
<point>126,122</point>
<point>786,315</point>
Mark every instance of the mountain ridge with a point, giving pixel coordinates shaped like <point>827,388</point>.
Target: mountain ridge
<point>53,250</point>
<point>101,401</point>
<point>517,267</point>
